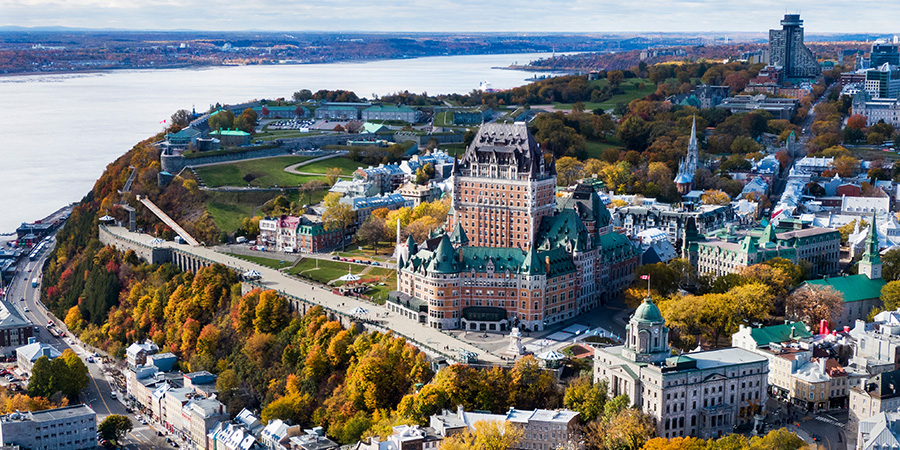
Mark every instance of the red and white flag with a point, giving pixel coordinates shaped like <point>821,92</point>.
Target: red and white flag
<point>645,277</point>
<point>163,121</point>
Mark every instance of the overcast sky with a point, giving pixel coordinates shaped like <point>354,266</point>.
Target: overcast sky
<point>820,16</point>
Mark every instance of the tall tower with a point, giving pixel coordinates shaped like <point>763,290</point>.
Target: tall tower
<point>787,50</point>
<point>870,264</point>
<point>648,337</point>
<point>502,188</point>
<point>684,180</point>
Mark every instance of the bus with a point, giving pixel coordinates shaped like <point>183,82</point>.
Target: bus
<point>34,282</point>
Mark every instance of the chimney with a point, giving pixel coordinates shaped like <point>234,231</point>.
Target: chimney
<point>547,261</point>
<point>460,413</point>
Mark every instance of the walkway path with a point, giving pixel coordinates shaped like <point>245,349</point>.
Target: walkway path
<point>168,221</point>
<point>293,168</point>
<point>419,334</point>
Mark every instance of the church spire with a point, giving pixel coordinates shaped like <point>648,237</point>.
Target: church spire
<point>870,264</point>
<point>684,181</point>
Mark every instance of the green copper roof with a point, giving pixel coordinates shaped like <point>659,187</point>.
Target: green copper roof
<point>853,287</point>
<point>616,247</point>
<point>227,132</point>
<point>532,264</point>
<point>458,236</point>
<point>779,333</point>
<point>559,230</point>
<point>872,255</point>
<point>444,260</point>
<point>647,312</point>
<point>388,108</point>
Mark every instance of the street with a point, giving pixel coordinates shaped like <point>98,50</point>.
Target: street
<point>21,295</point>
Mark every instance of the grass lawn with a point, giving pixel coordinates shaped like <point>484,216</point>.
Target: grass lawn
<point>631,92</point>
<point>267,172</point>
<point>443,119</point>
<point>870,154</point>
<point>595,148</point>
<point>347,166</point>
<point>385,250</point>
<point>453,149</point>
<point>228,208</point>
<point>327,271</point>
<point>266,136</point>
<point>263,261</point>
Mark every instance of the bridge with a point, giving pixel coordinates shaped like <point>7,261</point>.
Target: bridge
<point>169,221</point>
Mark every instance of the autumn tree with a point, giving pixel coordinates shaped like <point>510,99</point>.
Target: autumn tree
<point>337,215</point>
<point>714,197</point>
<point>271,312</point>
<point>496,435</point>
<point>333,175</point>
<point>812,304</point>
<point>890,295</point>
<point>372,231</point>
<point>181,118</point>
<point>568,170</point>
<point>586,397</point>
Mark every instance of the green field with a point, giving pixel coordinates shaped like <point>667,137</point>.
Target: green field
<point>443,119</point>
<point>595,148</point>
<point>283,134</point>
<point>263,261</point>
<point>228,208</point>
<point>631,93</point>
<point>453,149</point>
<point>267,172</point>
<point>327,270</point>
<point>347,166</point>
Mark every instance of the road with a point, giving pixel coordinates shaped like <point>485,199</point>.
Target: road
<point>24,297</point>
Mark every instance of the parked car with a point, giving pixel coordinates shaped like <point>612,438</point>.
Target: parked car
<point>335,258</point>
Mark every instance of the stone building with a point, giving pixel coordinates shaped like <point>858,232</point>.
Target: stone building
<point>510,254</point>
<point>879,394</point>
<point>68,428</point>
<point>703,394</point>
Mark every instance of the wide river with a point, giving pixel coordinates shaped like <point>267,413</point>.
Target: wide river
<point>58,132</point>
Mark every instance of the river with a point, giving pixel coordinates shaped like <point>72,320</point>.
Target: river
<point>60,131</point>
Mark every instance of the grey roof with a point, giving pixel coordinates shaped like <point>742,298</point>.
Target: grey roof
<point>51,414</point>
<point>33,352</point>
<point>10,318</point>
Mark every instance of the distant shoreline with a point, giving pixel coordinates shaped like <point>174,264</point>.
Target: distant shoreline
<point>333,61</point>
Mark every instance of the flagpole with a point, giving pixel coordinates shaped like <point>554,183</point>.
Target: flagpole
<point>648,286</point>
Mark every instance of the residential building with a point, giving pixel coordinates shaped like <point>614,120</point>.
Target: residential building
<point>780,108</point>
<point>877,343</point>
<point>198,417</point>
<point>386,177</point>
<point>231,436</point>
<point>67,428</point>
<point>136,353</point>
<point>355,188</point>
<point>280,112</point>
<point>363,206</point>
<point>314,440</point>
<point>401,113</point>
<point>417,193</point>
<point>787,50</point>
<point>405,437</point>
<point>15,330</point>
<point>305,234</point>
<point>792,240</point>
<point>512,256</point>
<point>703,394</point>
<point>542,429</point>
<point>28,354</point>
<point>637,219</point>
<point>879,432</point>
<point>879,394</point>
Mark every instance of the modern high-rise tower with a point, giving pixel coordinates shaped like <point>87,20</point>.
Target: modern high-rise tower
<point>787,50</point>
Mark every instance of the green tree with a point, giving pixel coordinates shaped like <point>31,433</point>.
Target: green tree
<point>40,383</point>
<point>587,398</point>
<point>372,231</point>
<point>890,295</point>
<point>181,118</point>
<point>568,170</point>
<point>77,373</point>
<point>114,427</point>
<point>337,215</point>
<point>890,265</point>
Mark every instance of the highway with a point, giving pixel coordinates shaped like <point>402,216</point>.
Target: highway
<point>98,393</point>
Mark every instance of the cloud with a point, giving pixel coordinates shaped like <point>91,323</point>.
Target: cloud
<point>821,16</point>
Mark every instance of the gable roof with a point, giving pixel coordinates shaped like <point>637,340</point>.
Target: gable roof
<point>779,333</point>
<point>854,288</point>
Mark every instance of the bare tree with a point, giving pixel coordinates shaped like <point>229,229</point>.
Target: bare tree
<point>812,304</point>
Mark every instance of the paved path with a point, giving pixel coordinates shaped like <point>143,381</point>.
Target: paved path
<point>420,335</point>
<point>293,168</point>
<point>168,221</point>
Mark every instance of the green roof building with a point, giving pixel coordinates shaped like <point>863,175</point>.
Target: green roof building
<point>401,113</point>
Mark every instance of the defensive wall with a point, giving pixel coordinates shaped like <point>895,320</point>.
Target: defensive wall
<point>185,260</point>
<point>175,163</point>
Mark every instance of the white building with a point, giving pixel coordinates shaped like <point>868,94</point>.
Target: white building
<point>136,353</point>
<point>701,394</point>
<point>28,354</point>
<point>542,428</point>
<point>878,394</point>
<point>69,428</point>
<point>879,432</point>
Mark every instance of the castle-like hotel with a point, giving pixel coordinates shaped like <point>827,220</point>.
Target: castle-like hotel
<point>510,253</point>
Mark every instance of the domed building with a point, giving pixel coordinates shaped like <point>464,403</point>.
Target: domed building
<point>702,394</point>
<point>510,254</point>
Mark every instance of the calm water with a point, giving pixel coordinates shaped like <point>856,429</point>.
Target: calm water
<point>58,132</point>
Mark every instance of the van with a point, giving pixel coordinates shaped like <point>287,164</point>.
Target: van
<point>290,250</point>
<point>240,239</point>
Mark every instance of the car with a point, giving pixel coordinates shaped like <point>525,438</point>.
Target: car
<point>112,394</point>
<point>174,444</point>
<point>376,263</point>
<point>22,299</point>
<point>816,437</point>
<point>26,309</point>
<point>50,324</point>
<point>335,258</point>
<point>159,433</point>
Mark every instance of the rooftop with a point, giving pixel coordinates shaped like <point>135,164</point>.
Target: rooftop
<point>854,288</point>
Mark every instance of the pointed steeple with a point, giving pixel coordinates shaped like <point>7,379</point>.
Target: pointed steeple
<point>458,235</point>
<point>768,236</point>
<point>411,245</point>
<point>532,265</point>
<point>870,264</point>
<point>692,143</point>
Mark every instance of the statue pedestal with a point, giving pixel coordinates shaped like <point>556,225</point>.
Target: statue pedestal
<point>515,343</point>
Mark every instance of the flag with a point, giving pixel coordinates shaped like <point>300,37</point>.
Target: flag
<point>163,121</point>
<point>645,277</point>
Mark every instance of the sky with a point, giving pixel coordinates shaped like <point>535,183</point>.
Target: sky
<point>820,16</point>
